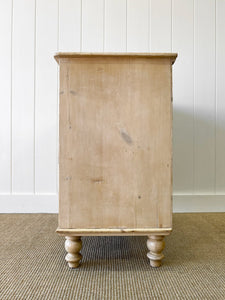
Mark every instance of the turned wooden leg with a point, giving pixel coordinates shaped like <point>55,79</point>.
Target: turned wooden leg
<point>73,245</point>
<point>155,244</point>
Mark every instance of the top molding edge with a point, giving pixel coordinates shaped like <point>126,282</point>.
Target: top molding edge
<point>59,55</point>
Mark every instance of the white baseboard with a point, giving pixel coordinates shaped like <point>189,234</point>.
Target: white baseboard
<point>28,203</point>
<point>198,203</point>
<point>48,203</point>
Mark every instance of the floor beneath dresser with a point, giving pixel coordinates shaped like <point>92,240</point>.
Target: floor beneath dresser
<point>32,264</point>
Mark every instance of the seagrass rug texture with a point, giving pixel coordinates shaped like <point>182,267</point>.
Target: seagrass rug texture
<point>32,264</point>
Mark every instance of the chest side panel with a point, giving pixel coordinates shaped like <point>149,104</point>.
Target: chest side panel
<point>115,143</point>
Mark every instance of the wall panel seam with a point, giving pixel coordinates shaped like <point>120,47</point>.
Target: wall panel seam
<point>35,76</point>
<point>11,115</point>
<point>57,104</point>
<point>194,89</point>
<point>171,25</point>
<point>215,109</point>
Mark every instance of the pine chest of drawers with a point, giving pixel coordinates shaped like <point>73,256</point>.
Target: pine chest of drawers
<point>115,148</point>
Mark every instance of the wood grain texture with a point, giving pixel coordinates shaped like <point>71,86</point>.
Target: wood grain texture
<point>61,55</point>
<point>73,246</point>
<point>155,245</point>
<point>115,141</point>
<point>113,231</point>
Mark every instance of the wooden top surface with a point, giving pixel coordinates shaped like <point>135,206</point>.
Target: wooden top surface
<point>59,55</point>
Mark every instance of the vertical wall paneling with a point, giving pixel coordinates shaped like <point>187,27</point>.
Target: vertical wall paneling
<point>220,96</point>
<point>183,94</point>
<point>137,26</point>
<point>46,96</point>
<point>69,25</point>
<point>204,98</point>
<point>23,96</point>
<point>160,25</point>
<point>31,31</point>
<point>115,26</point>
<point>92,25</point>
<point>5,103</point>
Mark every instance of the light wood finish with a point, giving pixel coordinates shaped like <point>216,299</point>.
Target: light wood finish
<point>115,144</point>
<point>73,245</point>
<point>155,244</point>
<point>115,231</point>
<point>68,55</point>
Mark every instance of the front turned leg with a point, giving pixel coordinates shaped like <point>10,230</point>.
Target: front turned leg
<point>73,245</point>
<point>155,244</point>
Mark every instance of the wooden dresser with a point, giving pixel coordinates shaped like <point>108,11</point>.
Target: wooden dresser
<point>115,148</point>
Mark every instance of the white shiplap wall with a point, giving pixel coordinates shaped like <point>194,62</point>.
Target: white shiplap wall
<point>31,31</point>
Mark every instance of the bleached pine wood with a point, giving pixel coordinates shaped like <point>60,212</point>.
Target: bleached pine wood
<point>113,231</point>
<point>73,245</point>
<point>64,55</point>
<point>155,244</point>
<point>115,140</point>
